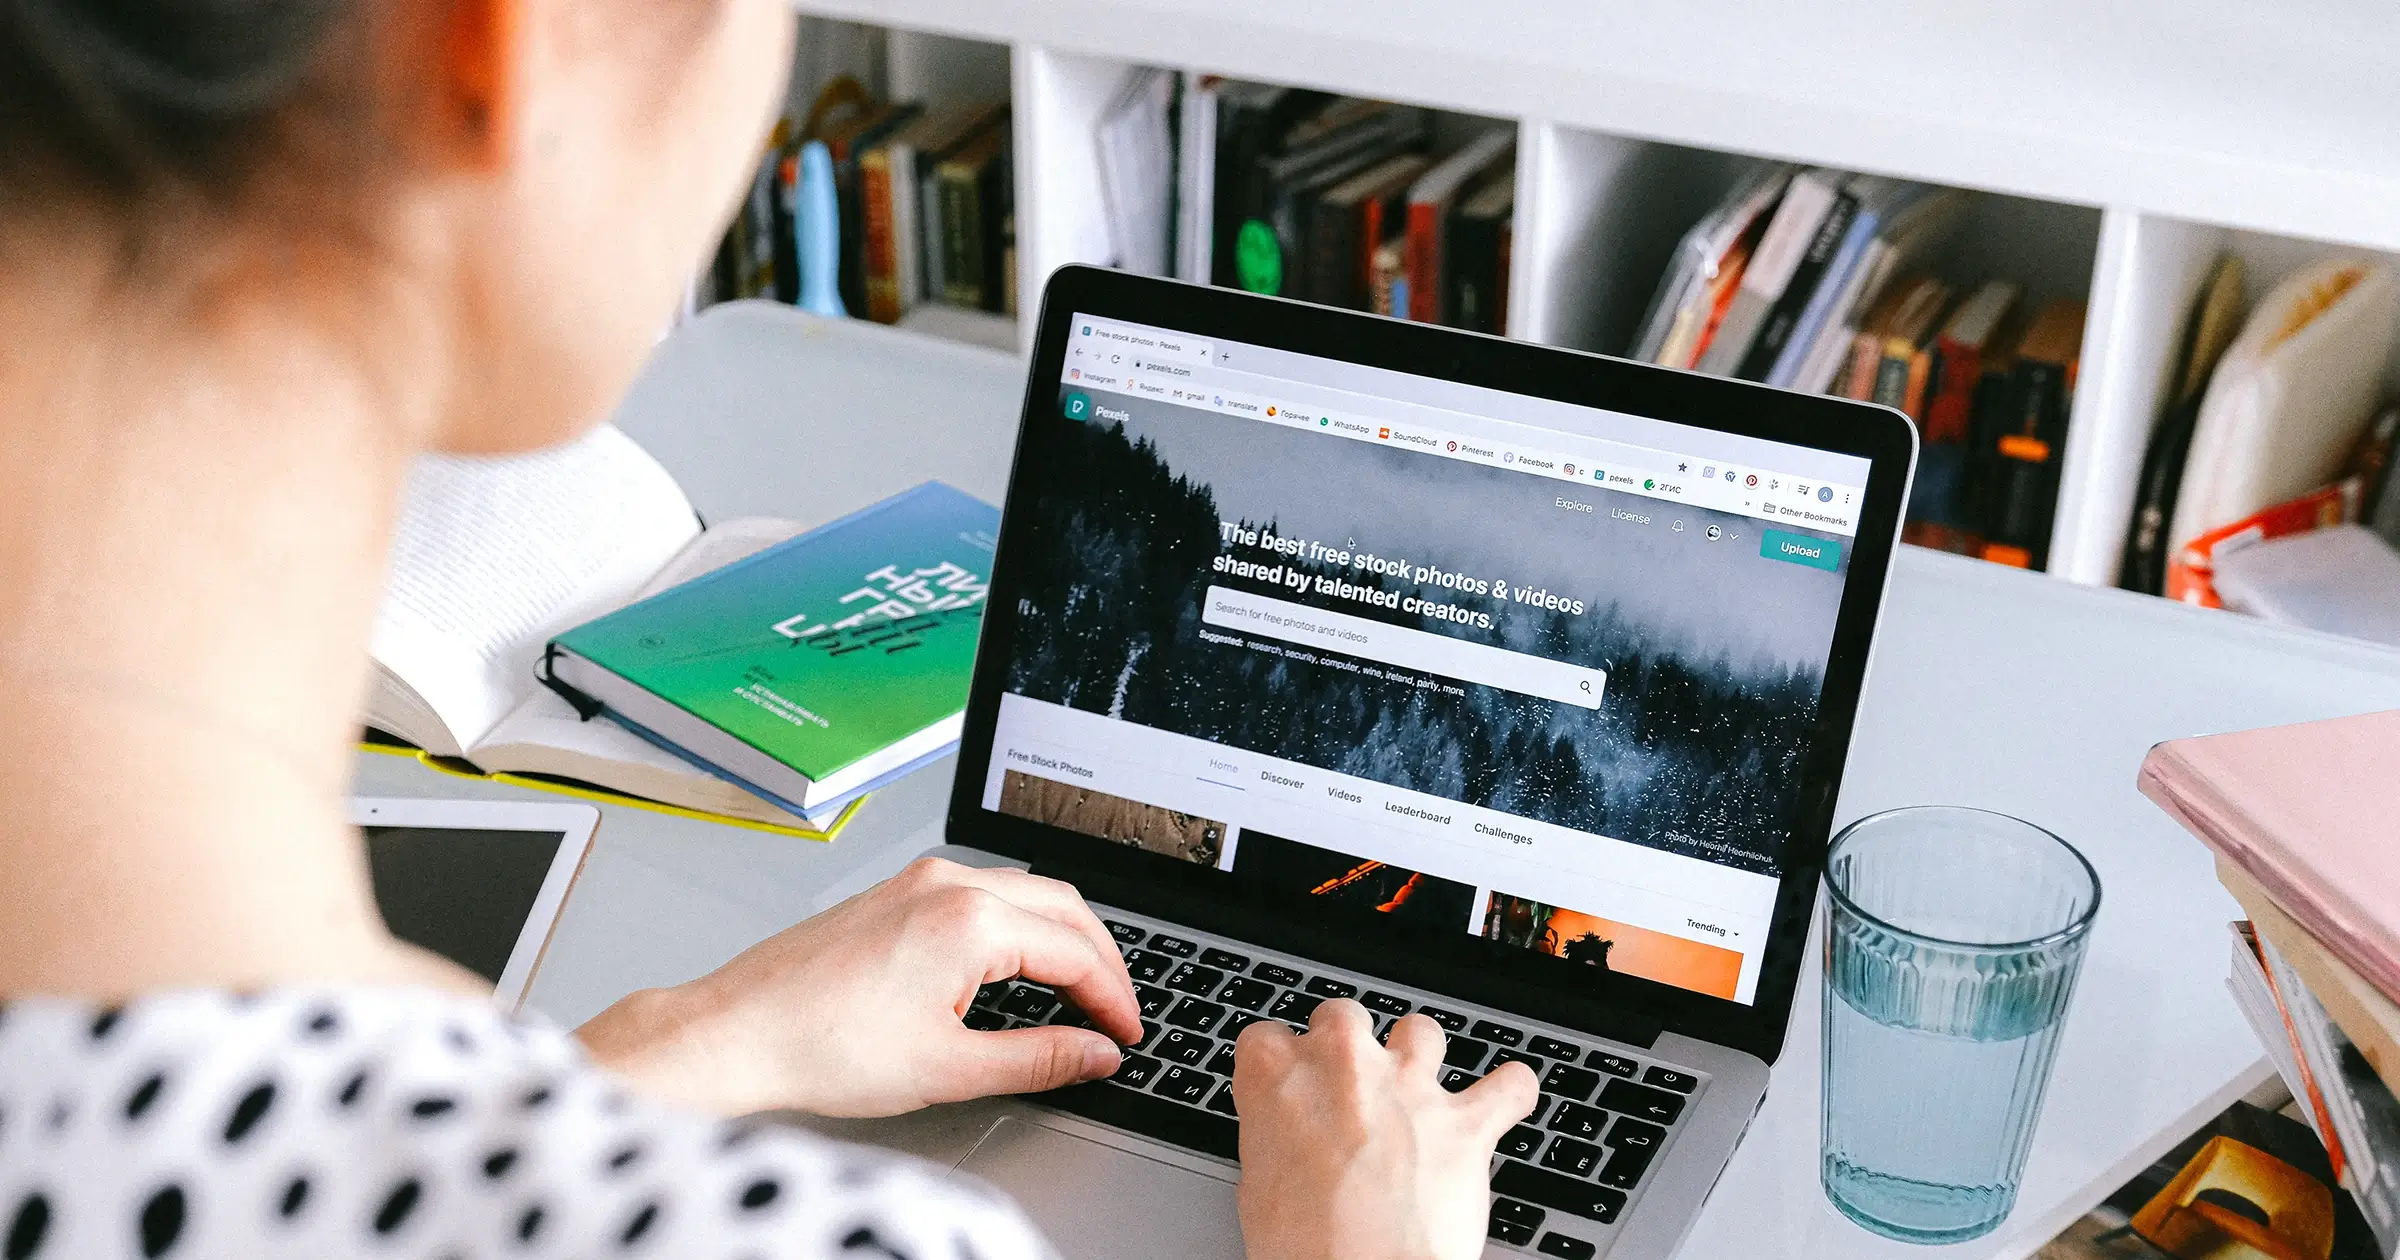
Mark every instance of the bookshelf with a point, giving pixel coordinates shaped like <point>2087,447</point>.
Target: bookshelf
<point>2111,154</point>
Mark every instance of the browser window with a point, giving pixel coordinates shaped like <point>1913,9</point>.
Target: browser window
<point>1486,663</point>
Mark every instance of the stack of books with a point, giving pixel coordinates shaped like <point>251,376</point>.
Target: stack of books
<point>925,208</point>
<point>2300,820</point>
<point>1820,280</point>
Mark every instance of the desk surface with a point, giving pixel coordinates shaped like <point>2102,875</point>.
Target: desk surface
<point>1990,687</point>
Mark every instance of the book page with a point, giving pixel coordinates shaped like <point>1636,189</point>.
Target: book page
<point>496,555</point>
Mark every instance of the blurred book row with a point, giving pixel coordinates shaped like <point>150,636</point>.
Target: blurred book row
<point>2298,817</point>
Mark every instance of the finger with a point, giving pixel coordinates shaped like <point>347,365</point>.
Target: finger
<point>1503,1097</point>
<point>1054,900</point>
<point>1261,1056</point>
<point>1341,1018</point>
<point>1017,942</point>
<point>1419,1044</point>
<point>1019,1061</point>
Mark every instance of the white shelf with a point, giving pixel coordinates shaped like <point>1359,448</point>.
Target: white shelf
<point>2116,145</point>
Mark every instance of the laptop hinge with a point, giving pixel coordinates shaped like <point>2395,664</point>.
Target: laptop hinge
<point>1367,955</point>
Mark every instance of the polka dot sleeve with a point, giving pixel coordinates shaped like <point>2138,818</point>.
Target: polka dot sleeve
<point>399,1123</point>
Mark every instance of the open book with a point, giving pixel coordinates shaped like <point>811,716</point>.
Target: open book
<point>493,558</point>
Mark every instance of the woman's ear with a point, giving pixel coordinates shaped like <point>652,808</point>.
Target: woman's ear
<point>484,65</point>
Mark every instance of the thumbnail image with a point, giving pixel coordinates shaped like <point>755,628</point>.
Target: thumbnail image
<point>1186,836</point>
<point>1408,896</point>
<point>1619,947</point>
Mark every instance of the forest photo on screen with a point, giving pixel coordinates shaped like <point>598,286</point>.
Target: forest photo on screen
<point>1715,655</point>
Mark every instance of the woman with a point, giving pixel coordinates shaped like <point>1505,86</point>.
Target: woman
<point>254,256</point>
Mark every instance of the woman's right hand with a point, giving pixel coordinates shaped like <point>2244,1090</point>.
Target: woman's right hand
<point>1350,1148</point>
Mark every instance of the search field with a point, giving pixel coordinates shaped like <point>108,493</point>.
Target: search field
<point>1478,663</point>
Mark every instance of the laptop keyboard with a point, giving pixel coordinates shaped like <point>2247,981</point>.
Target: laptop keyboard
<point>1604,1116</point>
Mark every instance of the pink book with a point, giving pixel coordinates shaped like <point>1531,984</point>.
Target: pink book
<point>2312,812</point>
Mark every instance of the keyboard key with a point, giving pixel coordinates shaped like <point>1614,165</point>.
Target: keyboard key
<point>1571,1082</point>
<point>1244,993</point>
<point>1558,1191</point>
<point>1578,1121</point>
<point>1196,1015</point>
<point>1028,1003</point>
<point>1149,1034</point>
<point>1135,1071</point>
<point>1223,1102</point>
<point>990,994</point>
<point>1515,1056</point>
<point>1175,945</point>
<point>1221,1063</point>
<point>1225,959</point>
<point>1566,1248</point>
<point>1385,1003</point>
<point>1294,1007</point>
<point>1632,1132</point>
<point>1069,1015</point>
<point>1553,1048</point>
<point>1509,1232</point>
<point>1521,1142</point>
<point>1448,1021</point>
<point>1236,1022</point>
<point>1626,1166</point>
<point>1613,1064</point>
<point>1196,980</point>
<point>1146,967</point>
<point>1655,1105</point>
<point>1155,1001</point>
<point>1455,1080</point>
<point>1184,1085</point>
<point>982,1020</point>
<point>1383,1030</point>
<point>1541,1107</point>
<point>1178,1046</point>
<point>1126,933</point>
<point>1572,1157</point>
<point>1465,1053</point>
<point>1328,987</point>
<point>1499,1034</point>
<point>1669,1078</point>
<point>1273,974</point>
<point>1524,1214</point>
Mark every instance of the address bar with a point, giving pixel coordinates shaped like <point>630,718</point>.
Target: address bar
<point>1481,664</point>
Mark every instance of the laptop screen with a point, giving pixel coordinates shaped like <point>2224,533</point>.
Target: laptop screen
<point>1479,661</point>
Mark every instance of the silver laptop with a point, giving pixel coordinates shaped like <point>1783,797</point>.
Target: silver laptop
<point>1336,656</point>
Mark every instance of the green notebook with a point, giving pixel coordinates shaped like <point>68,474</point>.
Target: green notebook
<point>814,671</point>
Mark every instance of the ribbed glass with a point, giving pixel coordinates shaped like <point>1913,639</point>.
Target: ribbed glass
<point>1951,950</point>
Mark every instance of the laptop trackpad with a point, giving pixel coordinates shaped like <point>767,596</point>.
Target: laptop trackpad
<point>1100,1203</point>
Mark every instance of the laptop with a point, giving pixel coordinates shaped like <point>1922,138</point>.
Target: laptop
<point>1331,655</point>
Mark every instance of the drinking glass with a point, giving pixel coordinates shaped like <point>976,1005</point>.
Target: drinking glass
<point>1951,951</point>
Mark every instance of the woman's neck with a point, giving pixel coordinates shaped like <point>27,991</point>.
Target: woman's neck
<point>196,494</point>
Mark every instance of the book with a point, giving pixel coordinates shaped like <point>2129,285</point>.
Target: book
<point>2251,1184</point>
<point>1958,350</point>
<point>2016,463</point>
<point>1923,220</point>
<point>2356,1104</point>
<point>1877,199</point>
<point>494,556</point>
<point>892,179</point>
<point>1283,190</point>
<point>2370,1019</point>
<point>2254,993</point>
<point>974,193</point>
<point>1789,238</point>
<point>811,670</point>
<point>1253,123</point>
<point>1477,268</point>
<point>1347,225</point>
<point>1782,319</point>
<point>1708,264</point>
<point>1898,350</point>
<point>2215,318</point>
<point>1135,142</point>
<point>1387,279</point>
<point>2291,395</point>
<point>1429,211</point>
<point>847,141</point>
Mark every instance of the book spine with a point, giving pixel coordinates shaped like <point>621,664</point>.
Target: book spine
<point>1891,376</point>
<point>1425,262</point>
<point>1859,371</point>
<point>1473,271</point>
<point>933,239</point>
<point>2024,462</point>
<point>908,248</point>
<point>784,251</point>
<point>1920,375</point>
<point>962,237</point>
<point>882,256</point>
<point>995,184</point>
<point>1784,316</point>
<point>1332,253</point>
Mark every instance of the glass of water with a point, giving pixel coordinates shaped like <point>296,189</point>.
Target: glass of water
<point>1951,951</point>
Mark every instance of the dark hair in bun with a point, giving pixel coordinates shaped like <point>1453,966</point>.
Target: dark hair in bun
<point>124,95</point>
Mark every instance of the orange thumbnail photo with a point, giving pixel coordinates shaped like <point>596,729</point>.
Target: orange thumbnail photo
<point>1620,947</point>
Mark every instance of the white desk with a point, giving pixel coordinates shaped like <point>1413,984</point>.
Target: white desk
<point>1991,688</point>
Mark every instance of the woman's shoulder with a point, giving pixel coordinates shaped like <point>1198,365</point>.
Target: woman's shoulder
<point>342,1122</point>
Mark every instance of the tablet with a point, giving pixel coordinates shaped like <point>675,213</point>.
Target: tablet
<point>479,882</point>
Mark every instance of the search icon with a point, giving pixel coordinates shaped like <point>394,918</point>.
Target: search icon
<point>1587,686</point>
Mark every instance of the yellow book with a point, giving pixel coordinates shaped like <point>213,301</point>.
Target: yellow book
<point>459,769</point>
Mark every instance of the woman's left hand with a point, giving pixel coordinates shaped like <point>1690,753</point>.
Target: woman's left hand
<point>856,1012</point>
